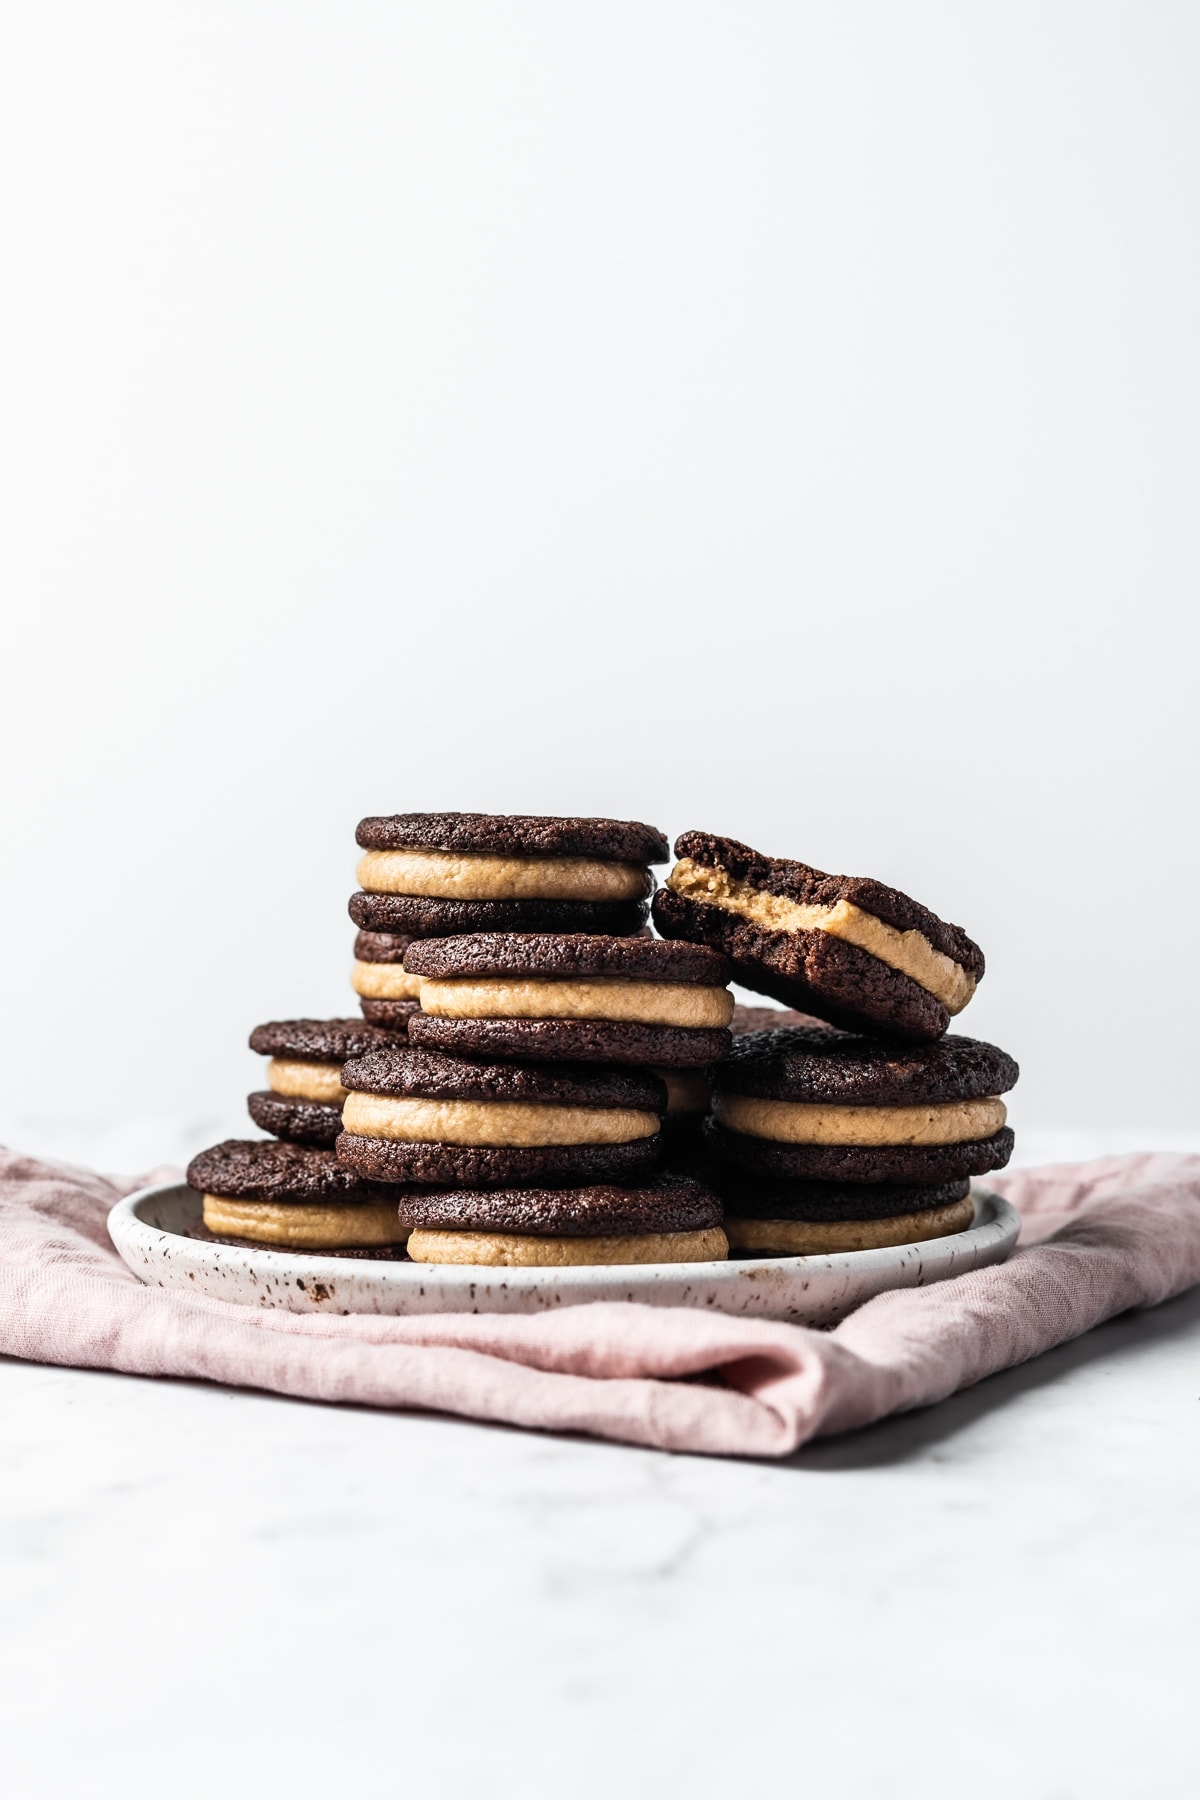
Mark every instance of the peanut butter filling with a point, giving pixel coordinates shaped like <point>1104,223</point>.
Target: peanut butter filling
<point>492,1122</point>
<point>514,1250</point>
<point>909,952</point>
<point>797,1122</point>
<point>271,1222</point>
<point>305,1080</point>
<point>384,981</point>
<point>599,997</point>
<point>440,875</point>
<point>797,1237</point>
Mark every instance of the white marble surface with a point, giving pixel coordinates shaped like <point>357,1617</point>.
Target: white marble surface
<point>212,1592</point>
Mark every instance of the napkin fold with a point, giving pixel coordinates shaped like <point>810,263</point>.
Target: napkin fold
<point>1097,1239</point>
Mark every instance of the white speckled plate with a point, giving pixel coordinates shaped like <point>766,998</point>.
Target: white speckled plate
<point>148,1230</point>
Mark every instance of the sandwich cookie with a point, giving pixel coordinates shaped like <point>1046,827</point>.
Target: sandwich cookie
<point>303,1098</point>
<point>848,949</point>
<point>816,1218</point>
<point>436,874</point>
<point>414,1115</point>
<point>285,1196</point>
<point>667,1219</point>
<point>387,993</point>
<point>809,1104</point>
<point>578,997</point>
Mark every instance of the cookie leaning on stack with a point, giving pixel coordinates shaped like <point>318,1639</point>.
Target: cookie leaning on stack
<point>434,875</point>
<point>831,1140</point>
<point>847,949</point>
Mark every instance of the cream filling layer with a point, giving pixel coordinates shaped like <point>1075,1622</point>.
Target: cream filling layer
<point>492,1122</point>
<point>797,1122</point>
<point>515,1250</point>
<point>303,1227</point>
<point>384,981</point>
<point>599,997</point>
<point>909,952</point>
<point>305,1080</point>
<point>797,1237</point>
<point>438,875</point>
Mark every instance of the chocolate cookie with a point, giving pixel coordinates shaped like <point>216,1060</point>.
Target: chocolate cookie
<point>427,1075</point>
<point>299,1121</point>
<point>417,1116</point>
<point>317,1040</point>
<point>488,1165</point>
<point>515,834</point>
<point>908,1164</point>
<point>666,1203</point>
<point>845,948</point>
<point>819,1065</point>
<point>569,957</point>
<point>578,998</point>
<point>571,1040</point>
<point>753,1197</point>
<point>421,916</point>
<point>254,1169</point>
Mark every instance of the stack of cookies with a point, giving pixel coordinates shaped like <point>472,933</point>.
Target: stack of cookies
<point>434,875</point>
<point>531,1094</point>
<point>862,1125</point>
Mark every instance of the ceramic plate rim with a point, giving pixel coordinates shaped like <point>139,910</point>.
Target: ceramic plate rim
<point>127,1228</point>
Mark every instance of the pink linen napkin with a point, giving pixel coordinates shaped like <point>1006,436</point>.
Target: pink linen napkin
<point>1098,1238</point>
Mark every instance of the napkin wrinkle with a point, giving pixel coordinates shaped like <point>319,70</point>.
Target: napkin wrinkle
<point>1097,1239</point>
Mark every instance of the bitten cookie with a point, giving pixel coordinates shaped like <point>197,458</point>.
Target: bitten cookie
<point>573,998</point>
<point>418,1116</point>
<point>845,948</point>
<point>435,874</point>
<point>291,1196</point>
<point>303,1098</point>
<point>811,1104</point>
<point>667,1219</point>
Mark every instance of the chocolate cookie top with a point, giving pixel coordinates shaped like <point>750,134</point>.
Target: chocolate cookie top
<point>574,955</point>
<point>840,1068</point>
<point>318,1040</point>
<point>516,834</point>
<point>799,881</point>
<point>423,917</point>
<point>266,1169</point>
<point>663,1203</point>
<point>429,1075</point>
<point>381,946</point>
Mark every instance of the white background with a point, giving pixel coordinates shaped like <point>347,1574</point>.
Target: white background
<point>773,419</point>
